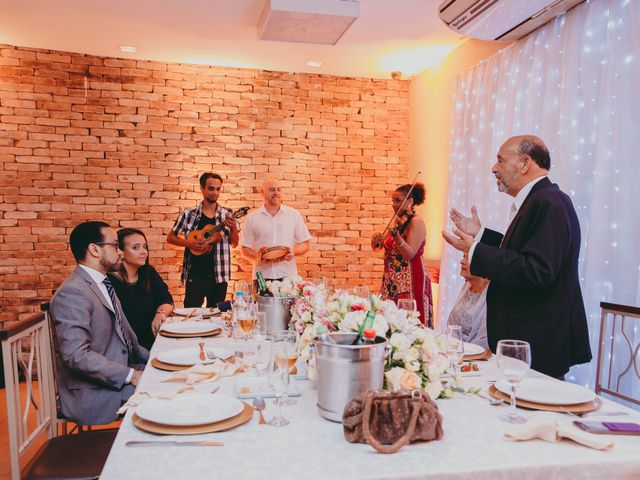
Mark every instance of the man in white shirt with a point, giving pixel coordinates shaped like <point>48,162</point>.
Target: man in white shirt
<point>534,294</point>
<point>273,225</point>
<point>99,359</point>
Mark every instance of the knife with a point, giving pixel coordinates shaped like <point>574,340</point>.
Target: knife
<point>171,443</point>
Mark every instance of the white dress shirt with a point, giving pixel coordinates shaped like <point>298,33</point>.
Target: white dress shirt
<point>98,277</point>
<point>518,200</point>
<point>285,228</point>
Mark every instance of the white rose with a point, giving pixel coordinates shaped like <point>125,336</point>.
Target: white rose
<point>434,389</point>
<point>380,325</point>
<point>400,341</point>
<point>400,378</point>
<point>351,322</point>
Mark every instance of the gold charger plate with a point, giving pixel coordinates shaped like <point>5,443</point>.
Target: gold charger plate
<point>486,355</point>
<point>574,408</point>
<point>160,429</point>
<point>169,367</point>
<point>210,333</point>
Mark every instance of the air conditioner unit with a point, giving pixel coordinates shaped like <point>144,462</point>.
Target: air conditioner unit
<point>501,19</point>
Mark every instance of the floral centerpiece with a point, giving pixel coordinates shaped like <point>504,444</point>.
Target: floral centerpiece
<point>417,358</point>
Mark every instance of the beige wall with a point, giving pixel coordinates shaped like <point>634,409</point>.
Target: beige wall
<point>431,97</point>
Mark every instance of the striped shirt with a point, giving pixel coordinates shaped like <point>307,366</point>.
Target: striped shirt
<point>188,222</point>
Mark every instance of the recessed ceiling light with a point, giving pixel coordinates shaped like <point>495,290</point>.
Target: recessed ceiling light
<point>128,48</point>
<point>314,63</point>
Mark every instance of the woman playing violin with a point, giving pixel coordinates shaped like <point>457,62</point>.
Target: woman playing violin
<point>405,275</point>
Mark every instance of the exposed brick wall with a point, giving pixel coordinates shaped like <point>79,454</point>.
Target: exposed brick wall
<point>88,138</point>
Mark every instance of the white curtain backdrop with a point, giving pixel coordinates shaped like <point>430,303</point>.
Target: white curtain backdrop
<point>576,84</point>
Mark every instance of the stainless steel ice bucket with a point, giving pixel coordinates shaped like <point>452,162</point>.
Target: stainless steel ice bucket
<point>344,370</point>
<point>278,313</point>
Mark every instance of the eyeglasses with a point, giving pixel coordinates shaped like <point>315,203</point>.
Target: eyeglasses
<point>114,244</point>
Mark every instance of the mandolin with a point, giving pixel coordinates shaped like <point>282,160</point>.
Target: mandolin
<point>206,234</point>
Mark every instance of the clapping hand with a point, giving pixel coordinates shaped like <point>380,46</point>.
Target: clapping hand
<point>465,230</point>
<point>469,225</point>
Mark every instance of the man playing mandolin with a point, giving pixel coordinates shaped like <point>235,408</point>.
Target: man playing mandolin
<point>209,229</point>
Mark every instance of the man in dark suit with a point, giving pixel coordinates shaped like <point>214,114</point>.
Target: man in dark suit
<point>99,359</point>
<point>534,294</point>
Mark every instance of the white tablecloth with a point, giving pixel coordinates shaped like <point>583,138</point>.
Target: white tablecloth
<point>312,447</point>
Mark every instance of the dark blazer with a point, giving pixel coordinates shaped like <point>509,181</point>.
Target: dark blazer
<point>92,358</point>
<point>534,294</point>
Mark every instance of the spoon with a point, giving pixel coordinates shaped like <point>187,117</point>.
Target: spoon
<point>259,405</point>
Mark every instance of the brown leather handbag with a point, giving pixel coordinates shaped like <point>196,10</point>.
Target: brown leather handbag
<point>389,420</point>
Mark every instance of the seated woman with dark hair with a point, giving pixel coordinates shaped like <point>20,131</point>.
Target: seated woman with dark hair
<point>144,296</point>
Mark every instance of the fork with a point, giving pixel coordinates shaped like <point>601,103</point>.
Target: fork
<point>211,355</point>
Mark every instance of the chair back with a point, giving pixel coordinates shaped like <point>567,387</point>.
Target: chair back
<point>26,350</point>
<point>618,368</point>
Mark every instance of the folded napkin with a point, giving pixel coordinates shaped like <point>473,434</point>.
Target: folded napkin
<point>209,372</point>
<point>138,397</point>
<point>553,432</point>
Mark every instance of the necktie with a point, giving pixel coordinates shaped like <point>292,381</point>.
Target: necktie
<point>512,213</point>
<point>118,312</point>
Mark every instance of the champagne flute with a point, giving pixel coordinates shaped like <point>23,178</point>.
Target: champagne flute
<point>247,320</point>
<point>514,359</point>
<point>407,304</point>
<point>278,378</point>
<point>361,291</point>
<point>289,338</point>
<point>455,346</point>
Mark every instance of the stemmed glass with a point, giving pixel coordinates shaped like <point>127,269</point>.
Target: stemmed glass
<point>247,321</point>
<point>278,378</point>
<point>407,304</point>
<point>289,338</point>
<point>514,359</point>
<point>455,346</point>
<point>361,291</point>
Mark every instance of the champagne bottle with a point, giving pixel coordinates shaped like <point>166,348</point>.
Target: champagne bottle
<point>369,336</point>
<point>263,291</point>
<point>366,323</point>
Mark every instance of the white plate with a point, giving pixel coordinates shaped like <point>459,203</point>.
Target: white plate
<point>472,349</point>
<point>189,327</point>
<point>198,311</point>
<point>548,391</point>
<point>191,355</point>
<point>189,409</point>
<point>250,387</point>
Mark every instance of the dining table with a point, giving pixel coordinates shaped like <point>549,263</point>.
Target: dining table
<point>311,447</point>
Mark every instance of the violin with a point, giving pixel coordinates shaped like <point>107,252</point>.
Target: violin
<point>407,221</point>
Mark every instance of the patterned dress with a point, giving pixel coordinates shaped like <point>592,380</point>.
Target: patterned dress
<point>404,278</point>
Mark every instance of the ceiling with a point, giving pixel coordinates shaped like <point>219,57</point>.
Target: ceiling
<point>389,35</point>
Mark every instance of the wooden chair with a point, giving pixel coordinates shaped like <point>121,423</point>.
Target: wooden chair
<point>618,368</point>
<point>26,348</point>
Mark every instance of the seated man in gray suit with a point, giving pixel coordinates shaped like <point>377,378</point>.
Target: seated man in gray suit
<point>99,358</point>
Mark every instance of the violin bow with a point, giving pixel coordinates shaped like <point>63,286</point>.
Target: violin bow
<point>404,200</point>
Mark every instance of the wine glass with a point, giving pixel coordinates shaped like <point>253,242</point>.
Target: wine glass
<point>455,346</point>
<point>407,304</point>
<point>278,378</point>
<point>289,338</point>
<point>361,291</point>
<point>514,359</point>
<point>247,320</point>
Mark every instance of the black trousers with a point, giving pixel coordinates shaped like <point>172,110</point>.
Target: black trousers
<point>199,288</point>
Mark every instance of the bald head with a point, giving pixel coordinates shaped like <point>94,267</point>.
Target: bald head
<point>520,160</point>
<point>534,147</point>
<point>271,192</point>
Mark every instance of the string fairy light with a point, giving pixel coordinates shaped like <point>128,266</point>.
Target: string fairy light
<point>572,83</point>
